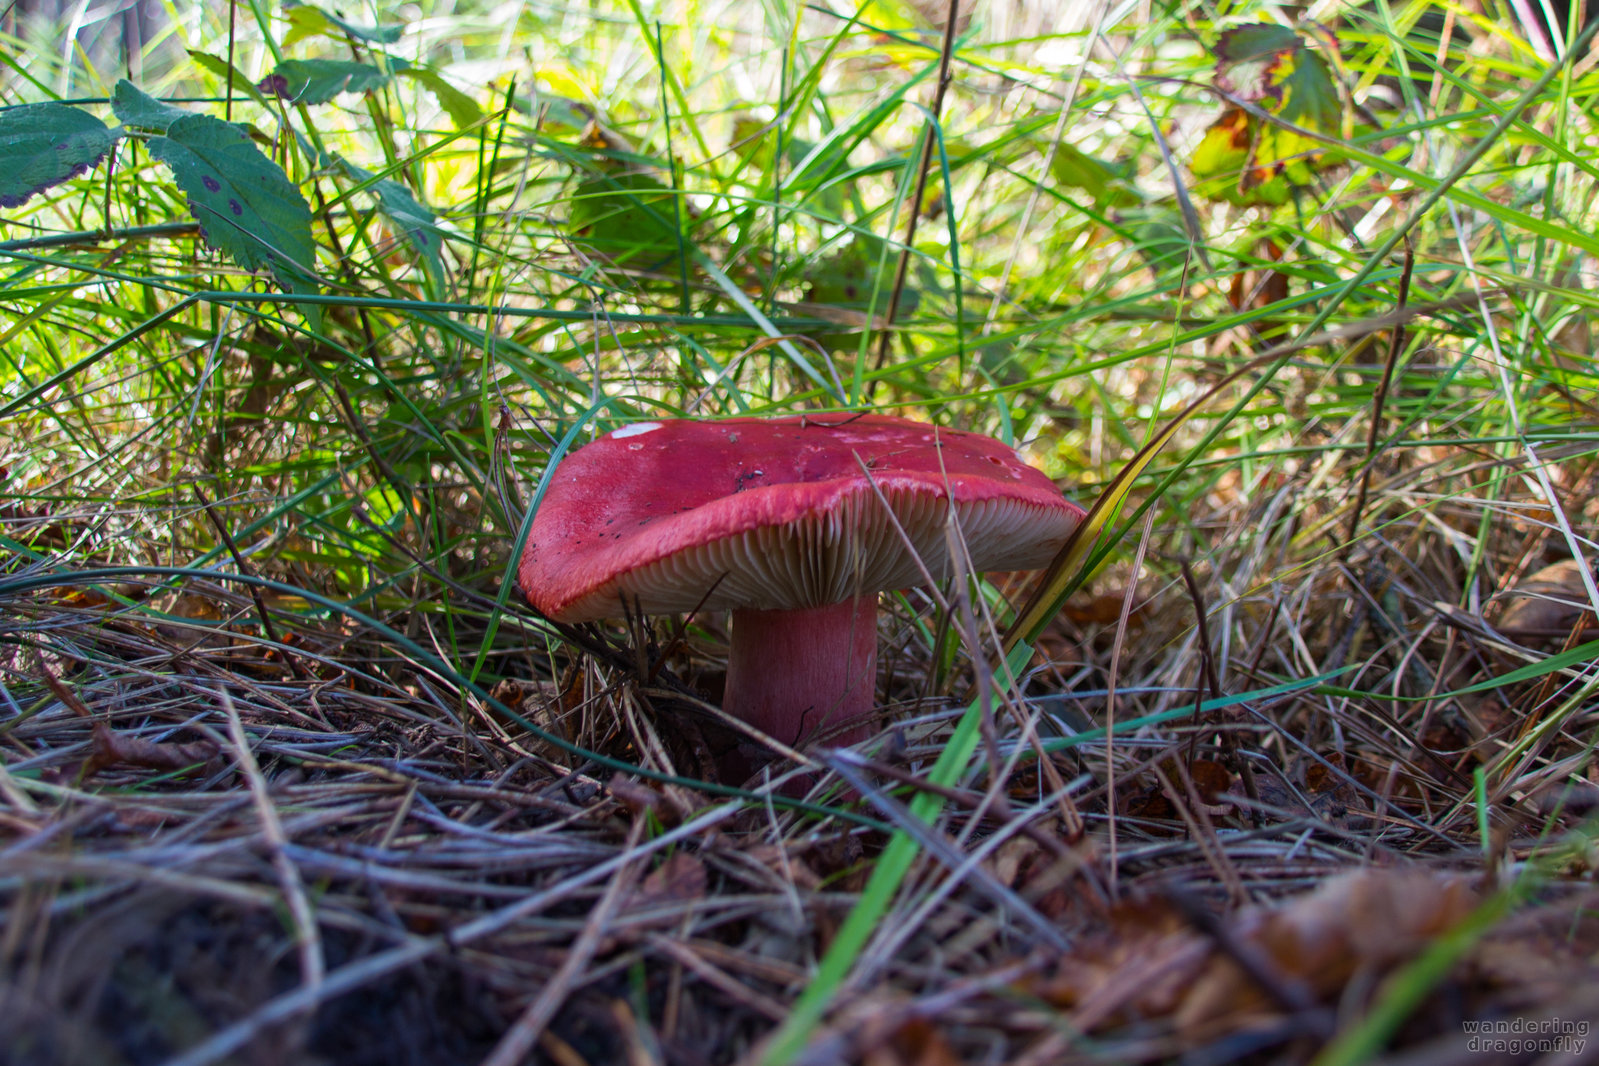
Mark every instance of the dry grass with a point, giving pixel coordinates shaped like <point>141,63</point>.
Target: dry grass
<point>397,871</point>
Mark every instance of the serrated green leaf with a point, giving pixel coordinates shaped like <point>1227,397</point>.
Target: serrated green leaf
<point>43,145</point>
<point>308,21</point>
<point>244,202</point>
<point>304,22</point>
<point>219,66</point>
<point>414,220</point>
<point>845,286</point>
<point>1223,163</point>
<point>461,108</point>
<point>1156,233</point>
<point>755,141</point>
<point>316,81</point>
<point>1247,58</point>
<point>848,277</point>
<point>555,114</point>
<point>136,108</point>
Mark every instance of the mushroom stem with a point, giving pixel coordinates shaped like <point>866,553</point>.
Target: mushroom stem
<point>792,674</point>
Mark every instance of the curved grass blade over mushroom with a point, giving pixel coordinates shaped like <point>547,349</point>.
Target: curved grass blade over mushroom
<point>1065,571</point>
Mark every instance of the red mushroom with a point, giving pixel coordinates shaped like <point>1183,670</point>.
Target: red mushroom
<point>782,521</point>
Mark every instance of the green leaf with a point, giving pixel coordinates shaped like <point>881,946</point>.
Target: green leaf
<point>1156,233</point>
<point>1247,57</point>
<point>1106,182</point>
<point>844,286</point>
<point>316,81</point>
<point>245,203</point>
<point>141,110</point>
<point>43,145</point>
<point>626,215</point>
<point>219,66</point>
<point>756,141</point>
<point>461,108</point>
<point>556,114</point>
<point>1224,166</point>
<point>415,221</point>
<point>307,21</point>
<point>848,277</point>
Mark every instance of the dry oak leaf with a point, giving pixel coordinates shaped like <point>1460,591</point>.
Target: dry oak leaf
<point>1368,920</point>
<point>1543,607</point>
<point>1137,967</point>
<point>111,748</point>
<point>677,883</point>
<point>915,1042</point>
<point>680,879</point>
<point>1151,963</point>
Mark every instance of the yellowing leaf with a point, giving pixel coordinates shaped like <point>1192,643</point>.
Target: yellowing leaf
<point>1246,159</point>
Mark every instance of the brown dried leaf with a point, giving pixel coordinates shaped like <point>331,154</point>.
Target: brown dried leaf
<point>111,748</point>
<point>916,1042</point>
<point>1047,882</point>
<point>786,862</point>
<point>1543,607</point>
<point>1009,860</point>
<point>1106,609</point>
<point>638,797</point>
<point>1211,779</point>
<point>1363,921</point>
<point>677,883</point>
<point>1139,965</point>
<point>1152,963</point>
<point>680,879</point>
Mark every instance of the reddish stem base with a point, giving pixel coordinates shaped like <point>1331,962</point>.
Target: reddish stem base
<point>792,674</point>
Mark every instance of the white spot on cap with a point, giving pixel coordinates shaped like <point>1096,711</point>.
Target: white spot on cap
<point>634,430</point>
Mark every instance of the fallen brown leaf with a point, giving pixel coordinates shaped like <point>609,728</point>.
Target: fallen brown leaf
<point>1152,963</point>
<point>111,748</point>
<point>915,1042</point>
<point>1543,607</point>
<point>680,879</point>
<point>677,883</point>
<point>1369,920</point>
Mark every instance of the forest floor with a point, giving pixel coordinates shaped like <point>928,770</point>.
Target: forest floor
<point>1296,765</point>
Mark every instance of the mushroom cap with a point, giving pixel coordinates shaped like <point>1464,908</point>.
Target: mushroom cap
<point>777,514</point>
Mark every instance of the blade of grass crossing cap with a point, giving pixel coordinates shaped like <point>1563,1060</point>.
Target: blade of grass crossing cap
<point>503,596</point>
